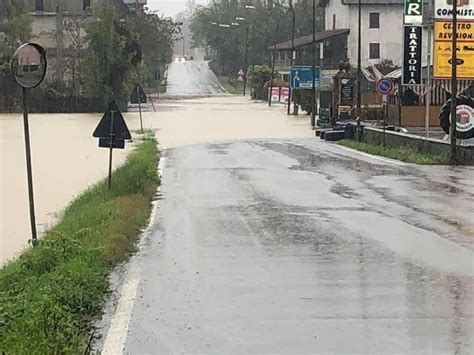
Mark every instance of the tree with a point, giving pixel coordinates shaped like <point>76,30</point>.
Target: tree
<point>155,35</point>
<point>15,23</point>
<point>113,55</point>
<point>237,35</point>
<point>75,36</point>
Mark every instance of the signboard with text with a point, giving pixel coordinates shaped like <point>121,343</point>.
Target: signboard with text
<point>412,44</point>
<point>464,49</point>
<point>444,10</point>
<point>413,12</point>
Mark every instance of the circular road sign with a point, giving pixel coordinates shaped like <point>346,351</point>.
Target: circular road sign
<point>384,86</point>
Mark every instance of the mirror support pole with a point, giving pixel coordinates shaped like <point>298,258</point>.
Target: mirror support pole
<point>28,166</point>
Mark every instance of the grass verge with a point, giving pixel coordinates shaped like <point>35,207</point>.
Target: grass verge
<point>403,153</point>
<point>236,89</point>
<point>50,295</point>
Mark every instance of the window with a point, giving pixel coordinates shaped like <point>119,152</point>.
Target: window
<point>39,5</point>
<point>374,51</point>
<point>374,20</point>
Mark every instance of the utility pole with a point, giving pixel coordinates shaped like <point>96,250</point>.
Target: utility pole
<point>428,85</point>
<point>454,93</point>
<point>246,59</point>
<point>293,26</point>
<point>273,66</point>
<point>359,71</point>
<point>313,90</point>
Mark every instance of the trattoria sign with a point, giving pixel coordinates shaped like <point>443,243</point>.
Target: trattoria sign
<point>412,43</point>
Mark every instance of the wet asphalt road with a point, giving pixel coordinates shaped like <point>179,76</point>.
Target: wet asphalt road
<point>192,78</point>
<point>284,246</point>
<point>302,247</point>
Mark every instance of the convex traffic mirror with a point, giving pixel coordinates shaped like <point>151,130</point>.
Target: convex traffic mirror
<point>29,65</point>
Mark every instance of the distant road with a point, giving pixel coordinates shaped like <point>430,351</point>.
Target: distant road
<point>192,78</point>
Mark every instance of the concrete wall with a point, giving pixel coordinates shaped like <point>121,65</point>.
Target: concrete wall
<point>417,143</point>
<point>413,116</point>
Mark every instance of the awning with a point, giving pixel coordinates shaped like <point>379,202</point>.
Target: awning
<point>305,40</point>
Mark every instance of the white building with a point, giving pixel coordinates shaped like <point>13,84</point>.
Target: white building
<point>381,29</point>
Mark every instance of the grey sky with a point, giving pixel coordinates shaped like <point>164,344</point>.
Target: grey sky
<point>170,7</point>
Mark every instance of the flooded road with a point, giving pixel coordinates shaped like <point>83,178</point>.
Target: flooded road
<point>293,245</point>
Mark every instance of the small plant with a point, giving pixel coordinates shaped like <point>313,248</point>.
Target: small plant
<point>405,154</point>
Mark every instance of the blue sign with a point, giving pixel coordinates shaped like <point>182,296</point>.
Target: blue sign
<point>384,86</point>
<point>301,77</point>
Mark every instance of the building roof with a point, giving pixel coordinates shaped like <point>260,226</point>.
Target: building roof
<point>305,40</point>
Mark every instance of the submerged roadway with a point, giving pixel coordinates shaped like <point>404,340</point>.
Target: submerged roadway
<point>293,245</point>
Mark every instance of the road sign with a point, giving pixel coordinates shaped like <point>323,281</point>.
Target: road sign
<point>138,96</point>
<point>384,86</point>
<point>116,143</point>
<point>112,124</point>
<point>464,48</point>
<point>444,10</point>
<point>112,132</point>
<point>413,12</point>
<point>412,44</point>
<point>301,77</point>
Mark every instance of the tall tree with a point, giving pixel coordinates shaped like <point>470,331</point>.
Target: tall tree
<point>113,54</point>
<point>15,23</point>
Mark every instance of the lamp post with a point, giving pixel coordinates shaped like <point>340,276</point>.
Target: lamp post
<point>359,70</point>
<point>273,66</point>
<point>293,30</point>
<point>452,130</point>
<point>313,89</point>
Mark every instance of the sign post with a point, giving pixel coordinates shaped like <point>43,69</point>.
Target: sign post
<point>112,132</point>
<point>28,67</point>
<point>138,97</point>
<point>384,87</point>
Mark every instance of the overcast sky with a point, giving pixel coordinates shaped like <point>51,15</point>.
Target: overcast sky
<point>170,7</point>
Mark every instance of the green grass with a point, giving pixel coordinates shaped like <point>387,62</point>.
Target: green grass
<point>403,153</point>
<point>52,293</point>
<point>236,89</point>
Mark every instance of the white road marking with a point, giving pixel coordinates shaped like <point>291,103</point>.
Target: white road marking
<point>117,333</point>
<point>386,160</point>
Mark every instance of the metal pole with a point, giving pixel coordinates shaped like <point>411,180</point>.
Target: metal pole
<point>273,67</point>
<point>29,170</point>
<point>428,86</point>
<point>359,71</point>
<point>140,108</point>
<point>293,24</point>
<point>313,89</point>
<point>246,54</point>
<point>384,100</point>
<point>111,147</point>
<point>453,158</point>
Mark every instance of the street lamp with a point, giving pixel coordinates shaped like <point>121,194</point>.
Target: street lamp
<point>359,70</point>
<point>313,90</point>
